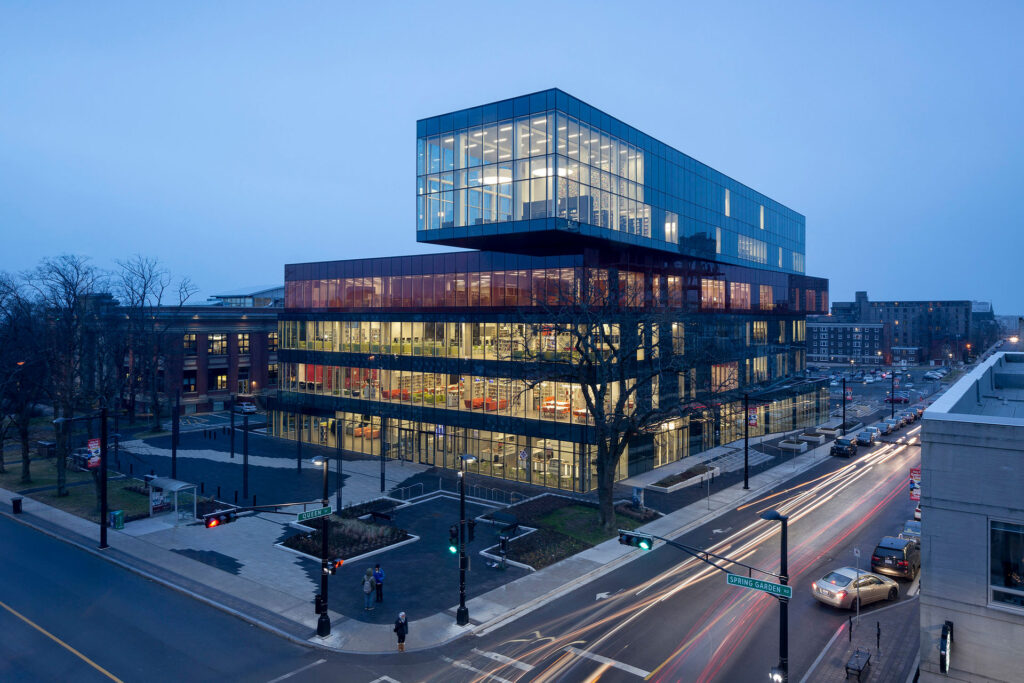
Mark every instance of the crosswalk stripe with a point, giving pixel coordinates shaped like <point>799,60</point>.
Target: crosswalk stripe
<point>459,664</point>
<point>522,666</point>
<point>622,666</point>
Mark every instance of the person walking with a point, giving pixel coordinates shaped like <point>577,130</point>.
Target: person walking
<point>401,629</point>
<point>378,578</point>
<point>368,589</point>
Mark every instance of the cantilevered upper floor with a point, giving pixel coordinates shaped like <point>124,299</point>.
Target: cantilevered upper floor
<point>548,173</point>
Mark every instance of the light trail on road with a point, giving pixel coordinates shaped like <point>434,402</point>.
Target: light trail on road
<point>727,622</point>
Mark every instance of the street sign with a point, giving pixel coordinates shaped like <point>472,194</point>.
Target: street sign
<point>313,514</point>
<point>776,589</point>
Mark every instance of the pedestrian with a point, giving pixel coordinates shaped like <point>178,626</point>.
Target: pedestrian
<point>378,578</point>
<point>401,628</point>
<point>368,589</point>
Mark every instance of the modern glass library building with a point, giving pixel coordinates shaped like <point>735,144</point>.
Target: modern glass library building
<point>429,357</point>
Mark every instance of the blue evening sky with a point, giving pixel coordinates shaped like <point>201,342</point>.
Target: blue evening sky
<point>230,138</point>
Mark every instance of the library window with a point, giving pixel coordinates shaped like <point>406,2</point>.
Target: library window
<point>243,342</point>
<point>188,383</point>
<point>189,344</point>
<point>272,342</point>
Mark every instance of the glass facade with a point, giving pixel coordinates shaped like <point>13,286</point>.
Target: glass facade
<point>555,161</point>
<point>429,357</point>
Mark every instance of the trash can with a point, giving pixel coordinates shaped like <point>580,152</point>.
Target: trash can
<point>16,505</point>
<point>117,519</point>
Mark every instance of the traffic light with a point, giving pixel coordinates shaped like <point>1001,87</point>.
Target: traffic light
<point>334,565</point>
<point>642,541</point>
<point>453,539</point>
<point>218,518</point>
<point>503,545</point>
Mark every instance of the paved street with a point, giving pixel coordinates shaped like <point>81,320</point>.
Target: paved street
<point>662,614</point>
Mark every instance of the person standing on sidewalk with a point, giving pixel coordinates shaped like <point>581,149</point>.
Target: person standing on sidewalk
<point>401,629</point>
<point>378,578</point>
<point>368,589</point>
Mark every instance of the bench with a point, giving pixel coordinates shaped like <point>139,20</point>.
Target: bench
<point>381,517</point>
<point>858,664</point>
<point>511,524</point>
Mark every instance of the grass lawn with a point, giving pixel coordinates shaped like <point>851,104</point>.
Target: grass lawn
<point>82,501</point>
<point>580,522</point>
<point>44,473</point>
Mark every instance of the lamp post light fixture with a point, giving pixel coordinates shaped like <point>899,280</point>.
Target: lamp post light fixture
<point>780,673</point>
<point>462,615</point>
<point>323,624</point>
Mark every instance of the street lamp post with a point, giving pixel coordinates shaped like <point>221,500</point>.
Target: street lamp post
<point>746,442</point>
<point>64,423</point>
<point>892,394</point>
<point>783,667</point>
<point>843,399</point>
<point>323,624</point>
<point>245,456</point>
<point>462,615</point>
<point>337,445</point>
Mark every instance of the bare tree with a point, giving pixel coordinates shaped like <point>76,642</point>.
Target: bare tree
<point>145,286</point>
<point>61,287</point>
<point>637,357</point>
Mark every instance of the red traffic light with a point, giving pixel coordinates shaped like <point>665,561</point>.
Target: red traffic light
<point>217,518</point>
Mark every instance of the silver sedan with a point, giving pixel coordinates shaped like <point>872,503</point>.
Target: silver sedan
<point>843,587</point>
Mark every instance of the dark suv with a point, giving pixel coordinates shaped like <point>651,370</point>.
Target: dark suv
<point>845,447</point>
<point>897,557</point>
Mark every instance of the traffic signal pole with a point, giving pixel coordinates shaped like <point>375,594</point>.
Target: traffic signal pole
<point>103,479</point>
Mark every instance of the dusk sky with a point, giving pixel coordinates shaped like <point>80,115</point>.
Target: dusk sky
<point>228,139</point>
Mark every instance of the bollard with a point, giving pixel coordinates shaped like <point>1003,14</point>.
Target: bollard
<point>152,473</point>
<point>254,500</point>
<point>878,637</point>
<point>236,497</point>
<point>218,493</point>
<point>202,488</point>
<point>131,468</point>
<point>851,629</point>
<point>16,505</point>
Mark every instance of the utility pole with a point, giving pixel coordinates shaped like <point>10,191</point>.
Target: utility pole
<point>245,456</point>
<point>175,431</point>
<point>231,408</point>
<point>104,465</point>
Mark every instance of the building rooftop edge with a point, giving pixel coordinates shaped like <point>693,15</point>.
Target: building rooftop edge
<point>945,407</point>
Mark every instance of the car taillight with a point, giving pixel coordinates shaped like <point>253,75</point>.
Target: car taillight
<point>902,564</point>
<point>876,559</point>
<point>841,594</point>
<point>814,585</point>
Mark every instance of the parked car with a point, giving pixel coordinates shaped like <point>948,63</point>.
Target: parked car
<point>917,513</point>
<point>247,408</point>
<point>908,416</point>
<point>866,438</point>
<point>844,446</point>
<point>896,557</point>
<point>893,424</point>
<point>898,398</point>
<point>884,428</point>
<point>919,410</point>
<point>911,530</point>
<point>843,587</point>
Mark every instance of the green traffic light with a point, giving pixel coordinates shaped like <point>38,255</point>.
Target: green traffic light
<point>644,544</point>
<point>453,549</point>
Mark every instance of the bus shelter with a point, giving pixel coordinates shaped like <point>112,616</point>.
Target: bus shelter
<point>168,495</point>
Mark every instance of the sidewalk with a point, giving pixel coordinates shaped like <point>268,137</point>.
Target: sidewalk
<point>893,652</point>
<point>241,571</point>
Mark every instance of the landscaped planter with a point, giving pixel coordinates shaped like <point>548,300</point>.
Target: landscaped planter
<point>832,432</point>
<point>815,438</point>
<point>699,478</point>
<point>796,446</point>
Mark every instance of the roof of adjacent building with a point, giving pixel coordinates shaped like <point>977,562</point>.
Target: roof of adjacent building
<point>992,393</point>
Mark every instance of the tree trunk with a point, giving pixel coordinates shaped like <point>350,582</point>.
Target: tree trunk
<point>3,437</point>
<point>63,451</point>
<point>605,490</point>
<point>26,475</point>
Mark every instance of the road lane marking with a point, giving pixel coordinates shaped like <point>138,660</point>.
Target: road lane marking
<point>459,664</point>
<point>297,671</point>
<point>60,642</point>
<point>622,666</point>
<point>522,666</point>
